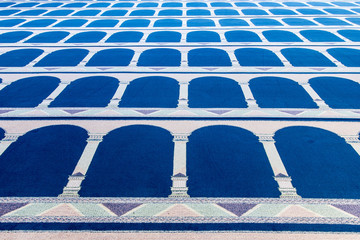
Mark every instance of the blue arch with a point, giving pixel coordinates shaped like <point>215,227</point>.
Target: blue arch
<point>136,23</point>
<point>11,22</point>
<point>265,22</point>
<point>103,23</point>
<point>170,12</point>
<point>145,12</point>
<point>29,13</point>
<point>196,4</point>
<point>123,5</point>
<point>280,36</point>
<point>254,12</point>
<point>172,4</point>
<point>203,36</point>
<point>337,92</point>
<point>114,13</point>
<point>270,4</point>
<point>164,36</point>
<point>87,37</point>
<point>63,58</point>
<point>294,4</point>
<point>71,23</point>
<point>39,163</point>
<point>39,23</point>
<point>309,58</point>
<point>245,4</point>
<point>98,5</point>
<point>87,92</point>
<point>6,4</point>
<point>344,4</point>
<point>148,5</point>
<point>242,36</point>
<point>220,4</point>
<point>159,92</point>
<point>204,57</point>
<point>126,36</point>
<point>319,4</point>
<point>232,22</point>
<point>320,36</point>
<point>28,92</point>
<point>198,12</point>
<point>13,37</point>
<point>25,5</point>
<point>282,12</point>
<point>111,57</point>
<point>48,37</point>
<point>224,161</point>
<point>59,13</point>
<point>277,92</point>
<point>200,23</point>
<point>354,20</point>
<point>324,165</point>
<point>215,92</point>
<point>47,5</point>
<point>347,56</point>
<point>352,35</point>
<point>338,11</point>
<point>145,164</point>
<point>168,23</point>
<point>165,57</point>
<point>8,12</point>
<point>74,5</point>
<point>331,21</point>
<point>310,11</point>
<point>19,58</point>
<point>298,22</point>
<point>257,57</point>
<point>225,12</point>
<point>87,13</point>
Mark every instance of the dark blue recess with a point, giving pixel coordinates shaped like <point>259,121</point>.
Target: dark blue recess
<point>125,37</point>
<point>224,161</point>
<point>208,57</point>
<point>47,5</point>
<point>87,92</point>
<point>6,4</point>
<point>319,4</point>
<point>331,21</point>
<point>132,161</point>
<point>136,23</point>
<point>164,36</point>
<point>256,57</point>
<point>11,22</point>
<point>280,36</point>
<point>282,12</point>
<point>337,92</point>
<point>164,57</point>
<point>31,12</point>
<point>265,22</point>
<point>146,12</point>
<point>25,5</point>
<point>114,13</point>
<point>63,58</point>
<point>320,36</point>
<point>270,4</point>
<point>103,23</point>
<point>198,12</point>
<point>245,4</point>
<point>19,58</point>
<point>344,4</point>
<point>220,4</point>
<point>87,13</point>
<point>347,56</point>
<point>338,11</point>
<point>48,37</point>
<point>302,57</point>
<point>298,22</point>
<point>111,57</point>
<point>148,5</point>
<point>157,92</point>
<point>215,92</point>
<point>13,37</point>
<point>172,4</point>
<point>310,11</point>
<point>168,23</point>
<point>225,12</point>
<point>276,92</point>
<point>98,5</point>
<point>74,5</point>
<point>354,20</point>
<point>254,12</point>
<point>28,92</point>
<point>352,35</point>
<point>329,168</point>
<point>8,12</point>
<point>39,163</point>
<point>196,4</point>
<point>39,23</point>
<point>294,4</point>
<point>122,5</point>
<point>71,23</point>
<point>232,22</point>
<point>87,37</point>
<point>203,36</point>
<point>242,36</point>
<point>170,12</point>
<point>59,13</point>
<point>200,23</point>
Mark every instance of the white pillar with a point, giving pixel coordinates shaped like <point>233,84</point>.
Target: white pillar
<point>183,95</point>
<point>354,141</point>
<point>114,102</point>
<point>135,59</point>
<point>75,179</point>
<point>249,98</point>
<point>184,58</point>
<point>179,178</point>
<point>316,98</point>
<point>46,102</point>
<point>233,59</point>
<point>8,140</point>
<point>281,176</point>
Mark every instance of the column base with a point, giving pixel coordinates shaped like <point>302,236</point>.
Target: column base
<point>70,192</point>
<point>285,187</point>
<point>179,188</point>
<point>73,186</point>
<point>177,192</point>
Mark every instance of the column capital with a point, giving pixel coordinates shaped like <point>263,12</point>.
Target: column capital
<point>184,83</point>
<point>351,138</point>
<point>124,82</point>
<point>180,137</point>
<point>95,137</point>
<point>265,137</point>
<point>304,82</point>
<point>65,82</point>
<point>11,137</point>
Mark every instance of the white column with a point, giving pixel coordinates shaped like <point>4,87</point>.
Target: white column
<point>282,59</point>
<point>8,140</point>
<point>135,59</point>
<point>316,98</point>
<point>75,179</point>
<point>46,102</point>
<point>354,141</point>
<point>281,176</point>
<point>179,178</point>
<point>183,95</point>
<point>249,98</point>
<point>36,60</point>
<point>87,58</point>
<point>114,102</point>
<point>233,59</point>
<point>184,58</point>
